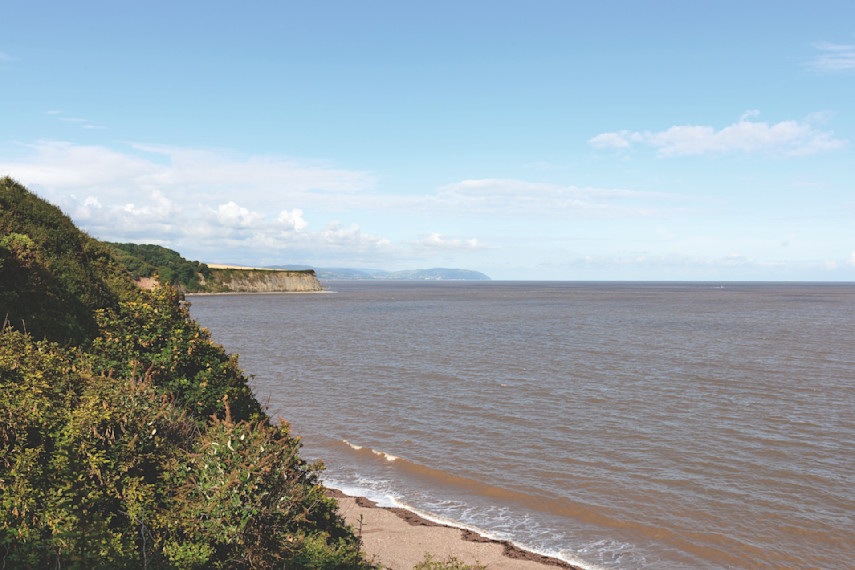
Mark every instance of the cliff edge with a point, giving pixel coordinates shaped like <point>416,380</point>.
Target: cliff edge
<point>234,280</point>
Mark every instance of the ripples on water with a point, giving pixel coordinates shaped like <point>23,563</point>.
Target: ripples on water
<point>616,425</point>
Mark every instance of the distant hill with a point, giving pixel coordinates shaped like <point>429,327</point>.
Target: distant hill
<point>435,274</point>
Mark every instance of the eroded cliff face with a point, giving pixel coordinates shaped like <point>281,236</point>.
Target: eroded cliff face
<point>266,281</point>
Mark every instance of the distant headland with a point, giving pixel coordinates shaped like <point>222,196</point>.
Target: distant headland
<point>434,274</point>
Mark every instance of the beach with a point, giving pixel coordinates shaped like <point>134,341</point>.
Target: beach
<point>398,539</point>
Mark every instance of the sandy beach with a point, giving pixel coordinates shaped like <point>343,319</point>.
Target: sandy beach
<point>397,539</point>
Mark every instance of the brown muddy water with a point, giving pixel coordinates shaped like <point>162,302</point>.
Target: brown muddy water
<point>614,425</point>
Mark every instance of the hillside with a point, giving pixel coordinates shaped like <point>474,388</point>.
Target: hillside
<point>128,438</point>
<point>52,276</point>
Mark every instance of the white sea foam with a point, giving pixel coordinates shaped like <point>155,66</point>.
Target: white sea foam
<point>561,555</point>
<point>384,455</point>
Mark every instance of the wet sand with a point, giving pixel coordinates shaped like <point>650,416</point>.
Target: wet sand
<point>398,539</point>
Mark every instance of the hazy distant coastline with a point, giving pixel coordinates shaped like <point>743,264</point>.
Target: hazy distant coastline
<point>434,274</point>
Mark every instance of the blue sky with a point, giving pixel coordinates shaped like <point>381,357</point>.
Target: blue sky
<point>570,140</point>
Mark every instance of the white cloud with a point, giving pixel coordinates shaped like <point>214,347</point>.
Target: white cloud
<point>153,218</point>
<point>160,209</point>
<point>232,215</point>
<point>437,241</point>
<point>194,169</point>
<point>84,123</point>
<point>194,175</point>
<point>6,57</point>
<point>512,198</point>
<point>85,211</point>
<point>833,58</point>
<point>293,219</point>
<point>611,140</point>
<point>62,167</point>
<point>352,239</point>
<point>789,138</point>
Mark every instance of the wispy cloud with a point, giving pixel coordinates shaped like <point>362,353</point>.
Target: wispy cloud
<point>5,57</point>
<point>84,123</point>
<point>832,58</point>
<point>190,175</point>
<point>788,138</point>
<point>511,198</point>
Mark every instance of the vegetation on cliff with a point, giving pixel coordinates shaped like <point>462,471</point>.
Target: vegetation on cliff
<point>167,265</point>
<point>128,439</point>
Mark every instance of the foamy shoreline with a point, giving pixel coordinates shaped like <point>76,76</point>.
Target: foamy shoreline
<point>398,538</point>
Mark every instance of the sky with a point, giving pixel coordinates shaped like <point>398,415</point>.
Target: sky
<point>537,140</point>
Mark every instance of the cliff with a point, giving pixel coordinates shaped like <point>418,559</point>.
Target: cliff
<point>263,281</point>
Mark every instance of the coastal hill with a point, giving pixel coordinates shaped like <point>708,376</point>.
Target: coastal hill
<point>149,264</point>
<point>128,438</point>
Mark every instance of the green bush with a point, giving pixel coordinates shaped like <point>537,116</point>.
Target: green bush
<point>155,334</point>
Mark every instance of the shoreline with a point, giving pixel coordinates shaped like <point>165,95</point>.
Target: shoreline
<point>395,538</point>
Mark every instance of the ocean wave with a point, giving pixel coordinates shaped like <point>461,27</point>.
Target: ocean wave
<point>383,454</point>
<point>380,493</point>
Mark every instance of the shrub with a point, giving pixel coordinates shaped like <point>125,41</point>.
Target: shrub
<point>155,334</point>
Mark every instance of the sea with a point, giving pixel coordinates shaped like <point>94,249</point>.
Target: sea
<point>611,425</point>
